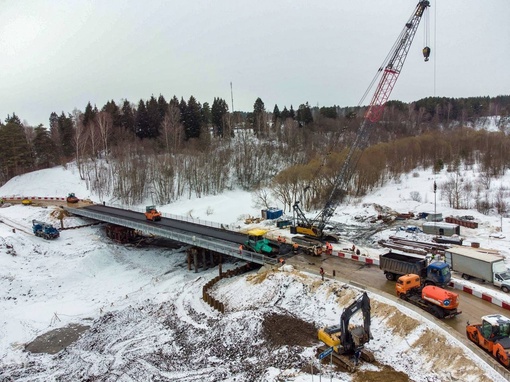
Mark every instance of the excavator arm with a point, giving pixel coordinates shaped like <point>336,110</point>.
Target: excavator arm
<point>346,336</point>
<point>390,70</point>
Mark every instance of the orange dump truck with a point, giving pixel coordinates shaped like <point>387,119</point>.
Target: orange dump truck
<point>437,301</point>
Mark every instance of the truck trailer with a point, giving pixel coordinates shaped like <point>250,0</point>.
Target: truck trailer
<point>396,264</point>
<point>476,263</point>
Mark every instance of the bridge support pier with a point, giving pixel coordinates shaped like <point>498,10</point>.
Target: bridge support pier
<point>204,261</point>
<point>195,260</point>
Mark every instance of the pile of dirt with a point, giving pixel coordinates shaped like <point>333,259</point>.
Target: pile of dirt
<point>56,340</point>
<point>387,373</point>
<point>287,330</point>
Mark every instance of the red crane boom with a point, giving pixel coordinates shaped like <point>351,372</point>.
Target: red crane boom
<point>390,69</point>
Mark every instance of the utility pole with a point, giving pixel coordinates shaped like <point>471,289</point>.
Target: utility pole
<point>232,96</point>
<point>435,210</point>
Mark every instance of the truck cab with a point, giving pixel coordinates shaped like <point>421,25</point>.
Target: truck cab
<point>502,280</point>
<point>408,284</point>
<point>438,273</point>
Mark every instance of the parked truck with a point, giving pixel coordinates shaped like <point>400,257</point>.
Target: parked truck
<point>478,263</point>
<point>44,230</point>
<point>396,264</point>
<point>437,301</point>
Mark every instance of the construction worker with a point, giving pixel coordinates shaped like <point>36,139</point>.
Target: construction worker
<point>329,248</point>
<point>322,273</point>
<point>295,248</point>
<point>281,239</point>
<point>241,247</point>
<point>282,261</point>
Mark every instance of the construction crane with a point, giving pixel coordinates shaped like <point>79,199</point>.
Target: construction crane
<point>390,70</point>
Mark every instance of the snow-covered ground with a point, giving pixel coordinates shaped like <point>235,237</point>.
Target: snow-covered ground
<point>147,318</point>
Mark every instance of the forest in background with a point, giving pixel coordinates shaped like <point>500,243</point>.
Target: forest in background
<point>170,150</point>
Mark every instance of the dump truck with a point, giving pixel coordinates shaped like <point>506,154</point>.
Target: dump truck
<point>439,302</point>
<point>486,265</point>
<point>492,335</point>
<point>44,230</point>
<point>152,214</point>
<point>396,264</point>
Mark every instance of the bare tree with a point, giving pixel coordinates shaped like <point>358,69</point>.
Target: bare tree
<point>80,141</point>
<point>172,132</point>
<point>261,197</point>
<point>104,126</point>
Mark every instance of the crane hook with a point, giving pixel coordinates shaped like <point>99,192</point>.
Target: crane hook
<point>426,53</point>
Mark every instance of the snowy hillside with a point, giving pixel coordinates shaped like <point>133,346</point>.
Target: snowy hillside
<point>141,311</point>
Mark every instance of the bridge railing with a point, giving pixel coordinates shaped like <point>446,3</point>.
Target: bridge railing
<point>202,241</point>
<point>188,219</point>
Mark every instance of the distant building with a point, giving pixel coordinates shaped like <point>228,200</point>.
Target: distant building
<point>434,217</point>
<point>440,228</point>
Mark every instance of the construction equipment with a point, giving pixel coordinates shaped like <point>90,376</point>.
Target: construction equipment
<point>492,335</point>
<point>44,230</point>
<point>152,214</point>
<point>71,198</point>
<point>439,302</point>
<point>26,201</point>
<point>396,264</point>
<point>348,342</point>
<point>257,242</point>
<point>390,70</point>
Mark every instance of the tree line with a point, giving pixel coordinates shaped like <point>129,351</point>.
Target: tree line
<point>169,150</point>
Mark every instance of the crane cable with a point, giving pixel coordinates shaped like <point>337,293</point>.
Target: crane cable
<point>435,46</point>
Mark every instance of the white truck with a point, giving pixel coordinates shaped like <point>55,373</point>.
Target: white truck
<point>477,263</point>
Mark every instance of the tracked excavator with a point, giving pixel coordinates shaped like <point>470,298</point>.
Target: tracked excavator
<point>390,70</point>
<point>347,342</point>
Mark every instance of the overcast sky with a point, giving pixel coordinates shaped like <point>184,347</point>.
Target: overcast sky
<point>59,55</point>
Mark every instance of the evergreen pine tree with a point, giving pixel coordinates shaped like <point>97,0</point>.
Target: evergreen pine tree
<point>127,118</point>
<point>218,116</point>
<point>142,121</point>
<point>15,155</point>
<point>276,114</point>
<point>153,118</point>
<point>45,148</point>
<point>66,134</point>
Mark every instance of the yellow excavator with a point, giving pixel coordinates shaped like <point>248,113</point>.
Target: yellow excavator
<point>346,344</point>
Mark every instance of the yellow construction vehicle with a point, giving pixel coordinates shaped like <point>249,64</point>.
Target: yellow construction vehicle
<point>347,343</point>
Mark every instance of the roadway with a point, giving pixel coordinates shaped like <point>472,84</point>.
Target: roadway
<point>472,307</point>
<point>171,224</point>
